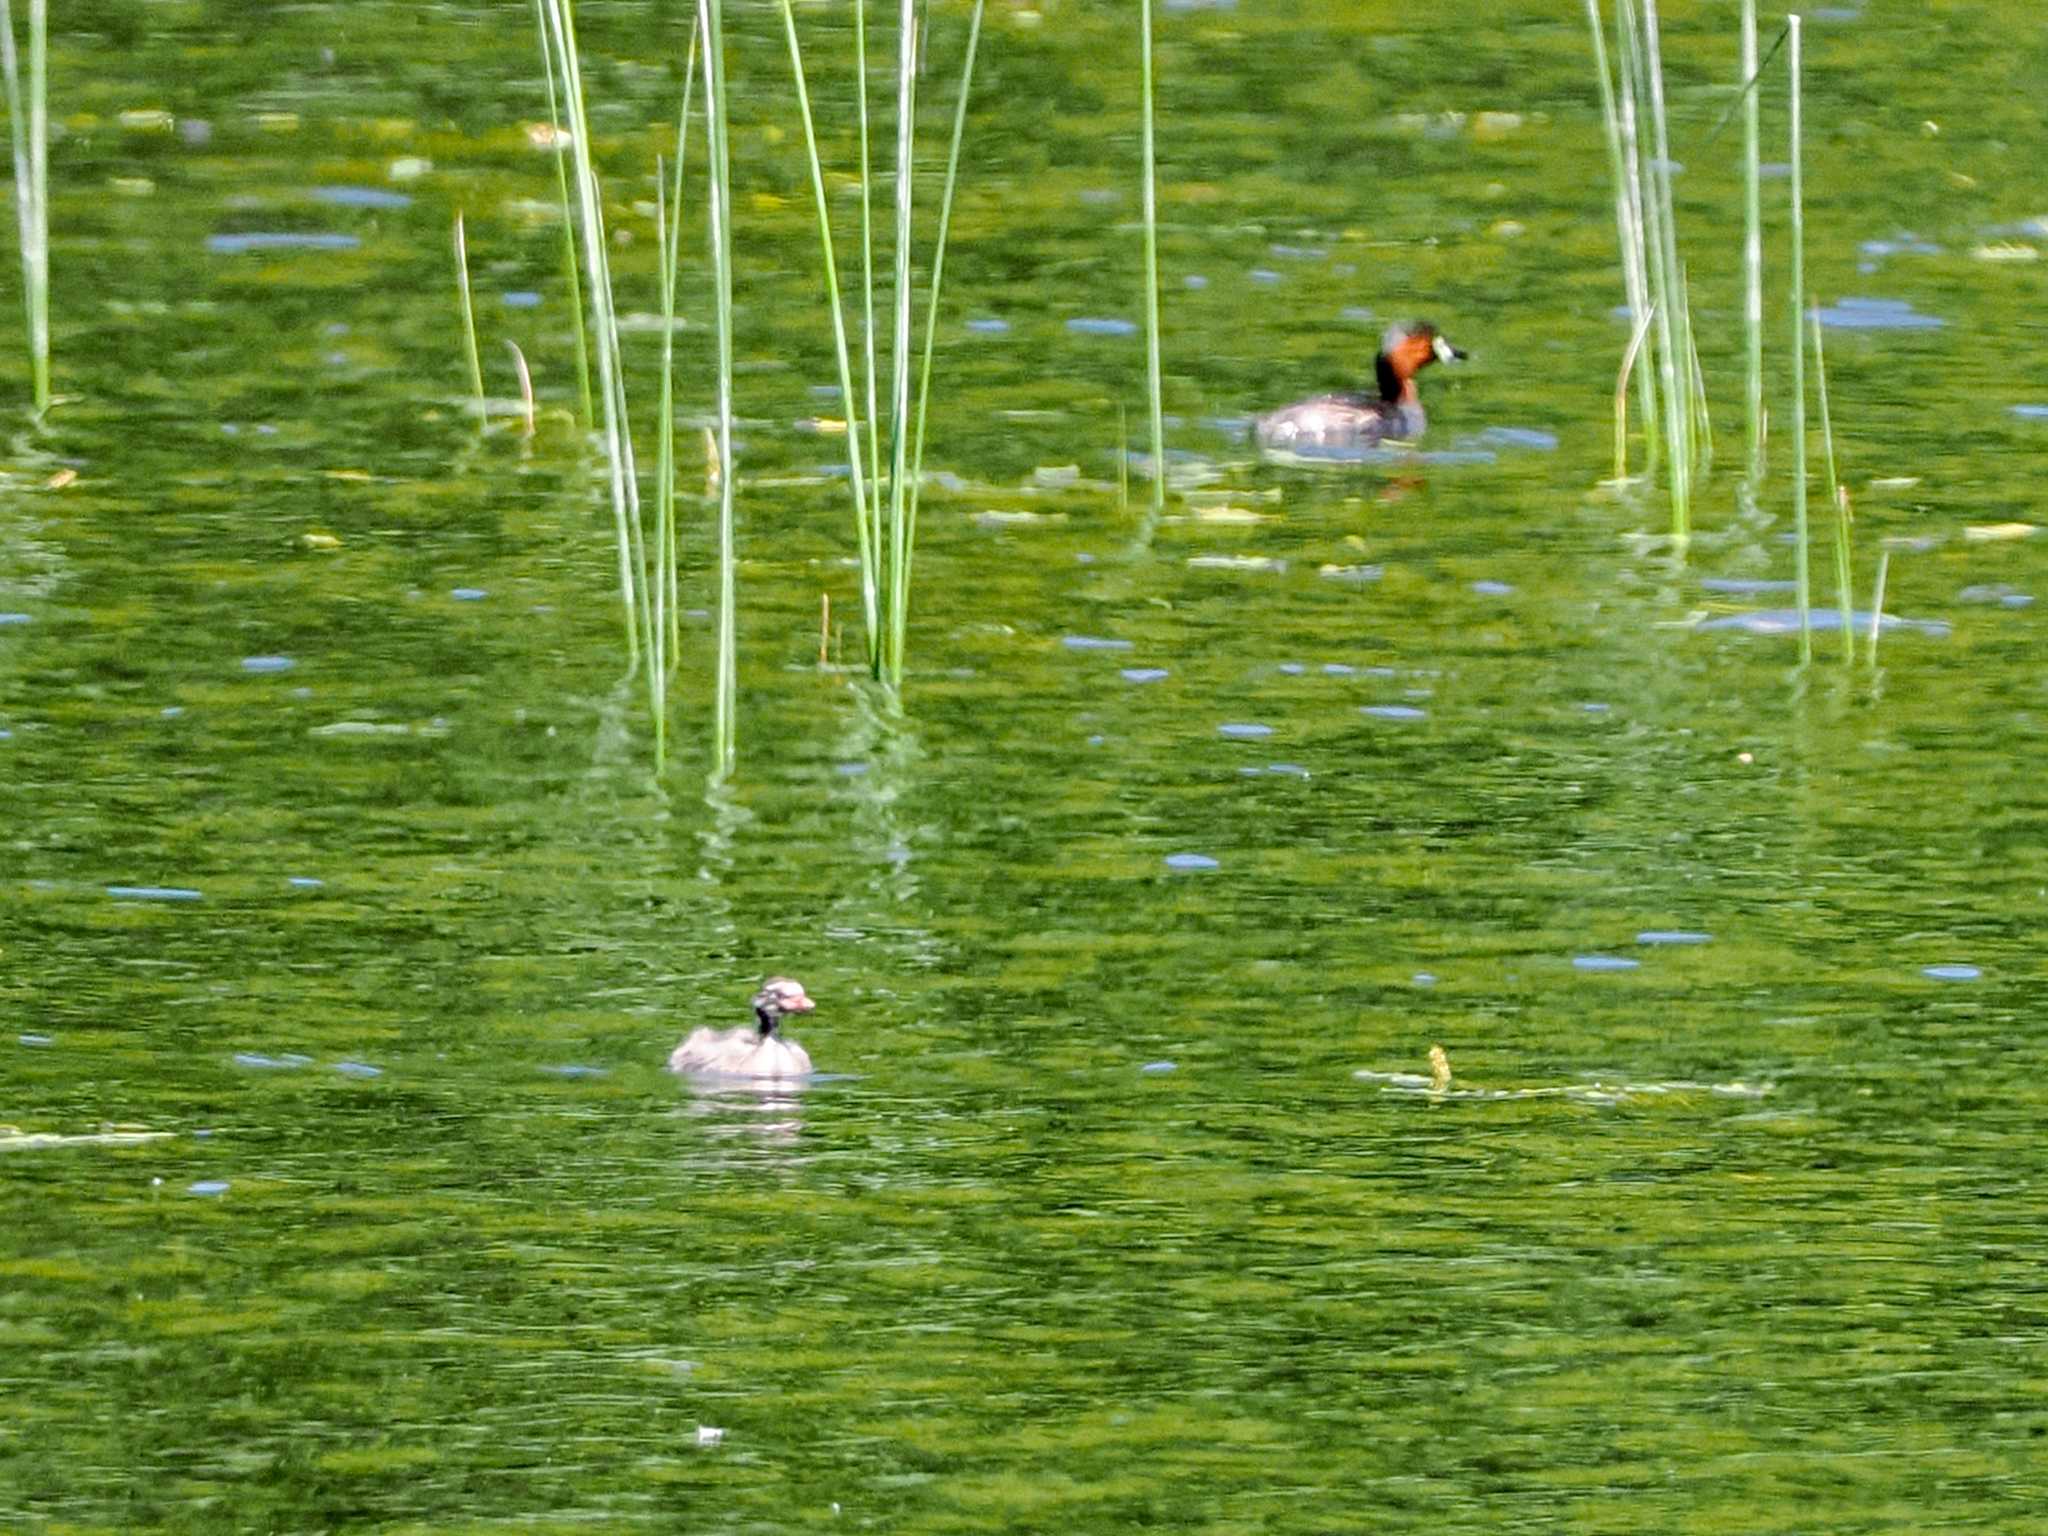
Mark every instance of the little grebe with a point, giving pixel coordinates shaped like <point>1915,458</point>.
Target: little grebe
<point>756,1052</point>
<point>1352,419</point>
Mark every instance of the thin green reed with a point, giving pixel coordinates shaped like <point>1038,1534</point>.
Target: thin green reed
<point>931,319</point>
<point>1752,254</point>
<point>622,477</point>
<point>870,606</point>
<point>1797,283</point>
<point>1628,226</point>
<point>1838,497</point>
<point>1628,362</point>
<point>475,360</point>
<point>724,727</point>
<point>28,118</point>
<point>559,143</point>
<point>664,455</point>
<point>666,600</point>
<point>1152,389</point>
<point>867,299</point>
<point>1675,374</point>
<point>899,395</point>
<point>1884,566</point>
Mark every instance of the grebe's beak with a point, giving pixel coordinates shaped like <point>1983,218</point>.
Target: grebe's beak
<point>1446,353</point>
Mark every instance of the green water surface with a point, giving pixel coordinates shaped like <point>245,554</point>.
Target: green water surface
<point>1089,1224</point>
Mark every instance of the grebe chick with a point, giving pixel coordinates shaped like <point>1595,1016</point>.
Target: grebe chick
<point>1352,420</point>
<point>757,1052</point>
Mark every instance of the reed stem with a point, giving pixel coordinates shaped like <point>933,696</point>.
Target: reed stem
<point>724,728</point>
<point>475,360</point>
<point>28,119</point>
<point>1752,255</point>
<point>1838,497</point>
<point>870,608</point>
<point>873,512</point>
<point>561,151</point>
<point>1797,283</point>
<point>1884,566</point>
<point>1628,228</point>
<point>1662,227</point>
<point>618,439</point>
<point>1628,363</point>
<point>1152,386</point>
<point>899,403</point>
<point>931,319</point>
<point>667,596</point>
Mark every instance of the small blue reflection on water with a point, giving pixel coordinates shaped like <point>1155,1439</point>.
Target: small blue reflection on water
<point>357,1069</point>
<point>1393,712</point>
<point>207,1187</point>
<point>574,1070</point>
<point>1519,437</point>
<point>152,893</point>
<point>267,663</point>
<point>1672,936</point>
<point>304,882</point>
<point>520,298</point>
<point>1093,643</point>
<point>1951,972</point>
<point>1604,963</point>
<point>988,325</point>
<point>1195,282</point>
<point>235,245</point>
<point>2031,412</point>
<point>1424,978</point>
<point>34,1040</point>
<point>469,594</point>
<point>1144,674</point>
<point>361,197</point>
<point>1492,588</point>
<point>1101,325</point>
<point>1288,770</point>
<point>850,770</point>
<point>1243,730</point>
<point>1339,669</point>
<point>14,618</point>
<point>1785,621</point>
<point>1291,668</point>
<point>1265,276</point>
<point>1191,861</point>
<point>1877,315</point>
<point>1157,1067</point>
<point>257,1061</point>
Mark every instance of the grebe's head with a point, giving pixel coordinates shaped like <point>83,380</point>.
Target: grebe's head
<point>1414,345</point>
<point>1405,351</point>
<point>780,995</point>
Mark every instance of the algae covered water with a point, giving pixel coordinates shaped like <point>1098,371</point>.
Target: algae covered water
<point>346,930</point>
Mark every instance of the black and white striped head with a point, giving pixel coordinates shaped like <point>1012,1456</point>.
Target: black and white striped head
<point>780,995</point>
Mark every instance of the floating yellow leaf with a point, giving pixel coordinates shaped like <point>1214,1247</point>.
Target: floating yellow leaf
<point>1993,533</point>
